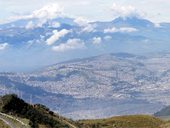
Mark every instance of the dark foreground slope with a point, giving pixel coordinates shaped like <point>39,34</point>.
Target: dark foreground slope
<point>41,117</point>
<point>38,115</point>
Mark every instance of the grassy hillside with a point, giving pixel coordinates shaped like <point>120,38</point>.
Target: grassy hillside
<point>134,121</point>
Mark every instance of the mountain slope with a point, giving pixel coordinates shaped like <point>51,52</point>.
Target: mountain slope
<point>132,22</point>
<point>91,84</point>
<point>135,121</point>
<point>165,112</point>
<point>37,114</point>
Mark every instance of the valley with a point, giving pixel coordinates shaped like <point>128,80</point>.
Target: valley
<point>141,83</point>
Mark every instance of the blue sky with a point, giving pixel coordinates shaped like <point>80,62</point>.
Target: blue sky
<point>155,10</point>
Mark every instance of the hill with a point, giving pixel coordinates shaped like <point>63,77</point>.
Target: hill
<point>132,121</point>
<point>38,115</point>
<point>163,112</point>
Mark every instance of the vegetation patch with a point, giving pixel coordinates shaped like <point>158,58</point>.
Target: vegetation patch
<point>3,125</point>
<point>133,121</point>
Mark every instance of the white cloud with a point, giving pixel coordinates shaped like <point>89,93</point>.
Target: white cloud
<point>84,24</point>
<point>88,28</point>
<point>49,11</point>
<point>71,44</point>
<point>97,40</point>
<point>122,30</point>
<point>156,10</point>
<point>30,25</point>
<point>3,46</point>
<point>81,21</point>
<point>157,25</point>
<point>110,30</point>
<point>128,29</point>
<point>54,24</point>
<point>107,38</point>
<point>36,24</point>
<point>41,40</point>
<point>56,36</point>
<point>124,11</point>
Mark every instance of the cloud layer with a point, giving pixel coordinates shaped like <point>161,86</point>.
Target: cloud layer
<point>97,40</point>
<point>156,10</point>
<point>84,24</point>
<point>71,44</point>
<point>125,11</point>
<point>121,30</point>
<point>3,46</point>
<point>49,11</point>
<point>56,36</point>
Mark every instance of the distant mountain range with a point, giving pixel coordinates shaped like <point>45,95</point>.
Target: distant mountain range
<point>28,41</point>
<point>121,83</point>
<point>130,80</point>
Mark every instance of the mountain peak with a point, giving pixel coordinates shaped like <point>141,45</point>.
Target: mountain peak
<point>133,21</point>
